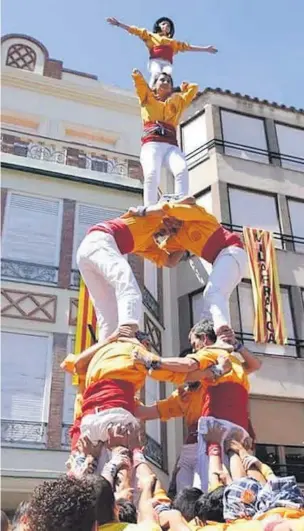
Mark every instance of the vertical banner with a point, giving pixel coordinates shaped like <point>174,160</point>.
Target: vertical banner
<point>269,320</point>
<point>86,319</point>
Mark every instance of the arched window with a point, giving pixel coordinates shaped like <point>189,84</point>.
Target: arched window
<point>21,56</point>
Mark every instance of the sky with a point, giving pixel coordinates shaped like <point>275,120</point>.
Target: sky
<point>260,42</point>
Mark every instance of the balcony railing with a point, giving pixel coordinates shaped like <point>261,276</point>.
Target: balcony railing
<point>153,452</point>
<point>278,236</point>
<point>22,432</point>
<point>151,304</point>
<point>27,271</point>
<point>67,154</point>
<point>245,152</point>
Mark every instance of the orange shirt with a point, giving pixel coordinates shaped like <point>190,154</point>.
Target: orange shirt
<point>201,233</point>
<point>134,234</point>
<point>207,356</point>
<point>190,407</point>
<point>155,39</point>
<point>168,111</point>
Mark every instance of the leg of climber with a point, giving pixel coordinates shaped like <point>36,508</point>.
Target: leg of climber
<point>227,271</point>
<point>176,163</point>
<point>110,281</point>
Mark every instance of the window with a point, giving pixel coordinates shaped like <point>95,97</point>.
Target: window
<point>86,216</point>
<point>205,200</point>
<point>99,164</point>
<point>269,454</point>
<point>152,395</point>
<point>21,56</point>
<point>296,214</point>
<point>246,309</point>
<point>244,136</point>
<point>197,307</point>
<point>294,457</point>
<point>31,237</point>
<point>291,146</point>
<point>25,389</point>
<point>194,136</point>
<point>252,209</point>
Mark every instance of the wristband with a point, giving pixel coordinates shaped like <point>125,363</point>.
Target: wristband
<point>238,347</point>
<point>152,364</point>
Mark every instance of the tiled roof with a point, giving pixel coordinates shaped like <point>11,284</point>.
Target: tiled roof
<point>250,98</point>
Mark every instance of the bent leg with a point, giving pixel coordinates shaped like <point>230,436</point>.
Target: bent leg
<point>227,271</point>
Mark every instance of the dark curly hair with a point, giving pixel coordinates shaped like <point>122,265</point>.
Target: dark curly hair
<point>126,511</point>
<point>66,504</point>
<point>210,506</point>
<point>185,501</point>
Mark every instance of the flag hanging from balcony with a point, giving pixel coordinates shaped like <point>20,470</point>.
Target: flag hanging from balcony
<point>86,327</point>
<point>269,319</point>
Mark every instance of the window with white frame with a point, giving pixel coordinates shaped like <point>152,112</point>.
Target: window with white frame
<point>246,308</point>
<point>252,209</point>
<point>244,136</point>
<point>32,235</point>
<point>25,387</point>
<point>296,214</point>
<point>291,145</point>
<point>87,215</point>
<point>194,135</point>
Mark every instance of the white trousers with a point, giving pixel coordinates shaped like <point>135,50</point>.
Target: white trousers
<point>96,425</point>
<point>201,474</point>
<point>157,155</point>
<point>228,270</point>
<point>156,67</point>
<point>110,281</point>
<point>187,466</point>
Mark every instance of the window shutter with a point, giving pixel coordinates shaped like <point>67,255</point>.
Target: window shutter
<point>69,391</point>
<point>31,229</point>
<point>24,371</point>
<point>86,216</point>
<point>69,400</point>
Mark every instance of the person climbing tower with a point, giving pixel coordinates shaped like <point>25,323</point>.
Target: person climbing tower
<point>161,45</point>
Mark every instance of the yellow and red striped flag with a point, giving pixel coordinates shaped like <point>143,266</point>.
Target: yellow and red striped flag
<point>85,316</point>
<point>269,319</point>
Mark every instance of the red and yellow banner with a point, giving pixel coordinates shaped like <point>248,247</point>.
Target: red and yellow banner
<point>86,318</point>
<point>269,320</point>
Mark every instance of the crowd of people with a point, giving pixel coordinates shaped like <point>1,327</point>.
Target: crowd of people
<point>217,482</point>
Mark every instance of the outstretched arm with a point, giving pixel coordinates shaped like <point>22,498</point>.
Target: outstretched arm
<point>139,32</point>
<point>208,49</point>
<point>114,22</point>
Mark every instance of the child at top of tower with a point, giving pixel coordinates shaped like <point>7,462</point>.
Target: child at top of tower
<point>162,47</point>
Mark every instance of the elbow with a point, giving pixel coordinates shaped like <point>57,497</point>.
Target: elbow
<point>255,366</point>
<point>258,364</point>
